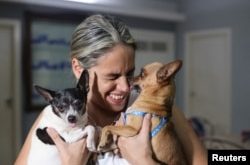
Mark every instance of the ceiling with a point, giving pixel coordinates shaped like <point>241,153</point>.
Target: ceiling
<point>165,10</point>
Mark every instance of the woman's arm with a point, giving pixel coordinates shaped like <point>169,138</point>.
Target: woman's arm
<point>23,155</point>
<point>194,150</point>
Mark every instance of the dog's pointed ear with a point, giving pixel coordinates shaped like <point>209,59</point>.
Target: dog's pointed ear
<point>167,71</point>
<point>46,93</point>
<point>83,82</point>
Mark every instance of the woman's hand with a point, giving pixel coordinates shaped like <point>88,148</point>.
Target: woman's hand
<point>74,153</point>
<point>137,150</point>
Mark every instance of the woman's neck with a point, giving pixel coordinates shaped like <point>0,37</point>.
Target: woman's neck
<point>100,116</point>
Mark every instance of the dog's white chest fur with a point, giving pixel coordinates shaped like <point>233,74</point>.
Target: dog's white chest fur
<point>46,154</point>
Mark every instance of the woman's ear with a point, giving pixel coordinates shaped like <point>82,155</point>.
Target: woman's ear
<point>76,68</point>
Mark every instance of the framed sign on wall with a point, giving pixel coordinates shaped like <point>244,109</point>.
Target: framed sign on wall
<point>47,57</point>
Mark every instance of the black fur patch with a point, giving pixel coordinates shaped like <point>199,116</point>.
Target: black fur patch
<point>44,136</point>
<point>55,112</point>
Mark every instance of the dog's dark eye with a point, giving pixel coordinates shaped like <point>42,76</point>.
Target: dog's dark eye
<point>60,107</point>
<point>142,74</point>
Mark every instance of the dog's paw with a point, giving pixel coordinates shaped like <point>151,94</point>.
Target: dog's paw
<point>91,147</point>
<point>105,143</point>
<point>101,146</point>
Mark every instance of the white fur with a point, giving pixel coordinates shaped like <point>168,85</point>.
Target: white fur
<point>46,154</point>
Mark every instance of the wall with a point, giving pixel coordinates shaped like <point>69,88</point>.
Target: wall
<point>213,14</point>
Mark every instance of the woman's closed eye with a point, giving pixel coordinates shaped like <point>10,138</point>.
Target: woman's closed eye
<point>113,76</point>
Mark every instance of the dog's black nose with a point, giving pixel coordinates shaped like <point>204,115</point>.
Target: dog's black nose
<point>72,119</point>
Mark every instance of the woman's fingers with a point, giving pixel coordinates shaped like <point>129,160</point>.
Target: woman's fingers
<point>146,126</point>
<point>74,153</point>
<point>56,138</point>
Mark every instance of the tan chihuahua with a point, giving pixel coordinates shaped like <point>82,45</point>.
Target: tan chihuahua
<point>157,93</point>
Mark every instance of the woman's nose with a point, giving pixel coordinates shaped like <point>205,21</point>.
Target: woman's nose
<point>123,84</point>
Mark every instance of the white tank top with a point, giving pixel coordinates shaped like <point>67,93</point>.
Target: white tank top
<point>111,159</point>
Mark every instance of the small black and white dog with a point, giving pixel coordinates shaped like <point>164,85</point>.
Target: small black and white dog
<point>67,115</point>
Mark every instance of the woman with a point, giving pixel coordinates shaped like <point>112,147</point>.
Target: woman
<point>104,46</point>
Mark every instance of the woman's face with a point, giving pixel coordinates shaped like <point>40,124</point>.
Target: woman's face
<point>109,79</point>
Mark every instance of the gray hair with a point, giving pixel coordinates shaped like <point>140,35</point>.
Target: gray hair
<point>95,36</point>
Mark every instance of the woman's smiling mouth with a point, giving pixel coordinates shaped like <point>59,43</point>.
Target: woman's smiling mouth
<point>117,99</point>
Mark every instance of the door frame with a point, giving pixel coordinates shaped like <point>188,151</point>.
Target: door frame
<point>188,39</point>
<point>17,92</point>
